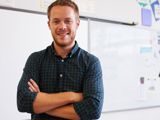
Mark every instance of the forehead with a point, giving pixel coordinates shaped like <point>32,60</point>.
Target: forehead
<point>62,11</point>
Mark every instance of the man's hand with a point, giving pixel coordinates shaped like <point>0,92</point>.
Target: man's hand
<point>33,87</point>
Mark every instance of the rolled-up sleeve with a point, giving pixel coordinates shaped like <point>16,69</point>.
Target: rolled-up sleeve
<point>25,98</point>
<point>91,107</point>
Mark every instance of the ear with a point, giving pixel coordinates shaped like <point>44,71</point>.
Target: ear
<point>49,24</point>
<point>78,23</point>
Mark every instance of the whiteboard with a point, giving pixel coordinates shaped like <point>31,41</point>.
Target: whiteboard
<point>21,34</point>
<point>117,10</point>
<point>130,58</point>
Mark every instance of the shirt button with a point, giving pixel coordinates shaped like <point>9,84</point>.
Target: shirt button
<point>62,60</point>
<point>61,75</point>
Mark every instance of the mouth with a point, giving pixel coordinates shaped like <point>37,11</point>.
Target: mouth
<point>63,34</point>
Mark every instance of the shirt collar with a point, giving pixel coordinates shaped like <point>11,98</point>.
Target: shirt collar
<point>73,51</point>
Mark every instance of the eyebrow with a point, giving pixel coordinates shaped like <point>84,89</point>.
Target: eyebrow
<point>68,18</point>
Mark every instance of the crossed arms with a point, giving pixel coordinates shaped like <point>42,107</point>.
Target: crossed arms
<point>59,105</point>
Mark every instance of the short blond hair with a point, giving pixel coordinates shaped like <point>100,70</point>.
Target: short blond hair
<point>69,3</point>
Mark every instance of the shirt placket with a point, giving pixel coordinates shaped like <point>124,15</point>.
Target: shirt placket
<point>61,74</point>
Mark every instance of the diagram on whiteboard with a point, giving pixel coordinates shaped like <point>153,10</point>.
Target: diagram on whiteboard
<point>131,65</point>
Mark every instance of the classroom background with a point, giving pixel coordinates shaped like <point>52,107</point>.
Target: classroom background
<point>124,34</point>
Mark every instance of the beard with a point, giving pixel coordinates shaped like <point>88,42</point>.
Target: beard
<point>64,43</point>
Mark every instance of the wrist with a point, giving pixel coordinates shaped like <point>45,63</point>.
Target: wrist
<point>71,96</point>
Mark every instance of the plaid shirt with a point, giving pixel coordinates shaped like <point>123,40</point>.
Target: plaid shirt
<point>79,72</point>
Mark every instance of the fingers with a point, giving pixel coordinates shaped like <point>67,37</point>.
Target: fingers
<point>33,87</point>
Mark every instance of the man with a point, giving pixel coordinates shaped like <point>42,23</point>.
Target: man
<point>62,81</point>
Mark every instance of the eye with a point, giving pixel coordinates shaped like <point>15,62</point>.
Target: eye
<point>68,21</point>
<point>55,22</point>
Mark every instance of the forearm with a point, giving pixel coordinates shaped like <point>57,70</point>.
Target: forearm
<point>45,102</point>
<point>66,112</point>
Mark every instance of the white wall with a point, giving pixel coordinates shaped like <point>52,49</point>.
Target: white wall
<point>141,114</point>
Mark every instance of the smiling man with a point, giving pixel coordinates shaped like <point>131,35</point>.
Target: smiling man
<point>62,81</point>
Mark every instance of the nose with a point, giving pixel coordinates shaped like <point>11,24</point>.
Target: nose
<point>62,26</point>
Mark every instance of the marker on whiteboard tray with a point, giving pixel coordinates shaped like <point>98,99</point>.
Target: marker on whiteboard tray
<point>142,89</point>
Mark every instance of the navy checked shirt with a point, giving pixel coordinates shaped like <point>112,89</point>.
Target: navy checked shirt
<point>79,72</point>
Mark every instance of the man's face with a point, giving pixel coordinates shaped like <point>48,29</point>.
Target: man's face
<point>63,23</point>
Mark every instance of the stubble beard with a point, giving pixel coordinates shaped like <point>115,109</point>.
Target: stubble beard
<point>64,45</point>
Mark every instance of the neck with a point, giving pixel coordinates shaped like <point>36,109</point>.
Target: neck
<point>63,51</point>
